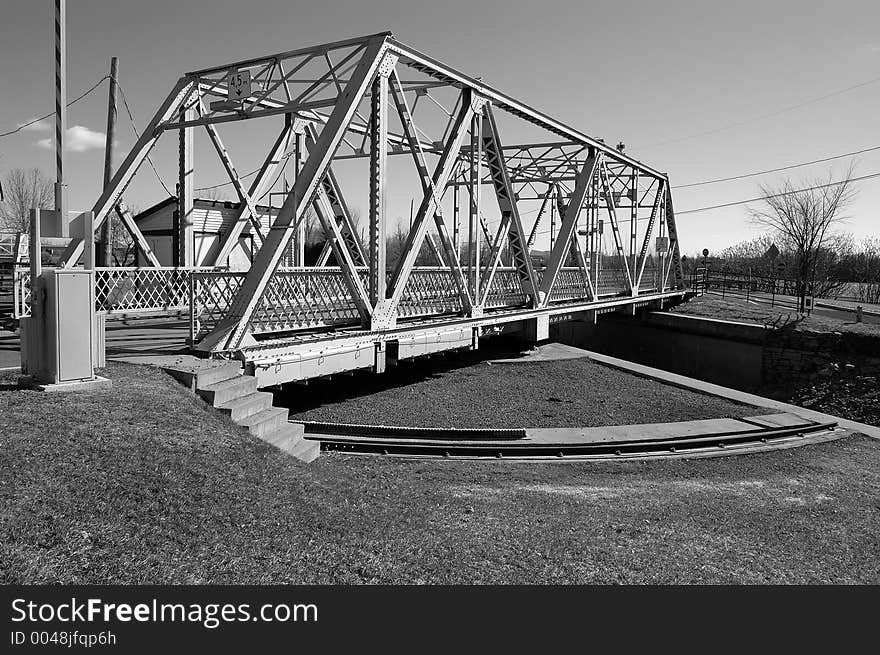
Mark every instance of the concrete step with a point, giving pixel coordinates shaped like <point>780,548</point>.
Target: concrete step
<point>306,450</point>
<point>199,375</point>
<point>285,437</point>
<point>289,438</point>
<point>265,421</point>
<point>244,406</point>
<point>227,390</point>
<point>209,376</point>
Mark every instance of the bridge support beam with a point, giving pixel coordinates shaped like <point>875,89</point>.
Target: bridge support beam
<point>381,317</point>
<point>537,329</point>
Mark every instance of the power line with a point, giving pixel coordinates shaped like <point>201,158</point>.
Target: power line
<point>775,195</point>
<point>245,176</point>
<point>138,136</point>
<point>767,115</point>
<point>778,195</point>
<point>277,177</point>
<point>775,170</point>
<point>50,114</point>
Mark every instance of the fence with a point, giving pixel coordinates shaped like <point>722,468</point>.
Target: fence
<point>312,297</point>
<point>753,287</point>
<point>122,290</point>
<point>303,298</point>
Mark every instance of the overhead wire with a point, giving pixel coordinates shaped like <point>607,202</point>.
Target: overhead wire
<point>767,115</point>
<point>50,114</point>
<point>776,170</point>
<point>137,134</point>
<point>779,195</point>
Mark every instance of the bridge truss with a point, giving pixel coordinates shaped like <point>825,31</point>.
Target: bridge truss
<point>467,264</point>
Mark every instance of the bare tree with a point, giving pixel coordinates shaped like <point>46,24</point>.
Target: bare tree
<point>23,191</point>
<point>802,219</point>
<point>865,265</point>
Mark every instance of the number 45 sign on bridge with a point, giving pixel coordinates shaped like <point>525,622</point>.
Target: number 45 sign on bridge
<point>239,83</point>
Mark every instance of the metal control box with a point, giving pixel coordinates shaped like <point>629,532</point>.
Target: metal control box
<point>60,344</point>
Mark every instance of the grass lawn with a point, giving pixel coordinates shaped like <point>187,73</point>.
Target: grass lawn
<point>737,309</point>
<point>463,391</point>
<point>146,484</point>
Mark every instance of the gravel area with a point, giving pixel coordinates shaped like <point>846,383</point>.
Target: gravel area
<point>463,391</point>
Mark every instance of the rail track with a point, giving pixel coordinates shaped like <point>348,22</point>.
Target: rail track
<point>489,444</point>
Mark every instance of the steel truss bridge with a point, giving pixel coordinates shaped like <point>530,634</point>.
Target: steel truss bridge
<point>482,209</point>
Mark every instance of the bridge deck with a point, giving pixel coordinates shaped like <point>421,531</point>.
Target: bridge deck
<point>307,354</point>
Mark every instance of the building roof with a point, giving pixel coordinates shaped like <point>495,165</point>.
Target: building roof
<point>203,202</point>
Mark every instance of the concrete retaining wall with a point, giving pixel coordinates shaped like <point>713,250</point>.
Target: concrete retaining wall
<point>741,355</point>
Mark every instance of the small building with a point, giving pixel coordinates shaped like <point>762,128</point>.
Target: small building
<point>212,219</point>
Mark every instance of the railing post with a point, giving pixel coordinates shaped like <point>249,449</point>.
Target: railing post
<point>192,308</point>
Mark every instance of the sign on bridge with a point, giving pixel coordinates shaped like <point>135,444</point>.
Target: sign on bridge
<point>239,83</point>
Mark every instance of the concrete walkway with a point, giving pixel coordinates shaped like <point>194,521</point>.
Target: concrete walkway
<point>731,394</point>
<point>138,341</point>
<point>10,350</point>
<point>549,352</point>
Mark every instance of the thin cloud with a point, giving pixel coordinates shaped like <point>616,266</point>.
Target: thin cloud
<point>79,139</point>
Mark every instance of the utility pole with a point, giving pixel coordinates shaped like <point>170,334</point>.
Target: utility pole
<point>105,257</point>
<point>61,112</point>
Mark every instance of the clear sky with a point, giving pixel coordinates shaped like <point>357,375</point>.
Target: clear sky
<point>651,74</point>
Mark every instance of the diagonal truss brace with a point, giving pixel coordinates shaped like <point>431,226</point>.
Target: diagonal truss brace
<point>232,330</point>
<point>256,189</point>
<point>615,230</point>
<point>649,231</point>
<point>247,202</point>
<point>428,186</point>
<point>569,222</point>
<point>577,252</point>
<point>544,201</point>
<point>137,236</point>
<point>431,201</point>
<point>673,239</point>
<point>331,201</point>
<point>112,194</point>
<point>511,226</point>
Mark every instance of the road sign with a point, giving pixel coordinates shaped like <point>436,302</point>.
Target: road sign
<point>239,83</point>
<point>705,252</point>
<point>662,244</point>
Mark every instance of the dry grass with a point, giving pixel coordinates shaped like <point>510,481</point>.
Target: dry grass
<point>737,309</point>
<point>145,484</point>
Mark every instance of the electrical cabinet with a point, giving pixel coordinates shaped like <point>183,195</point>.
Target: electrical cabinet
<point>63,335</point>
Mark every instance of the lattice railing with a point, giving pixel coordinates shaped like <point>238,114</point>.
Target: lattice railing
<point>506,290</point>
<point>295,299</point>
<point>210,294</point>
<point>569,286</point>
<point>650,277</point>
<point>612,281</point>
<point>133,290</point>
<point>429,291</point>
<point>122,290</point>
<point>304,298</point>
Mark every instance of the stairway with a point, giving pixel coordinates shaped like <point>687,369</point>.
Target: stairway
<point>235,394</point>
